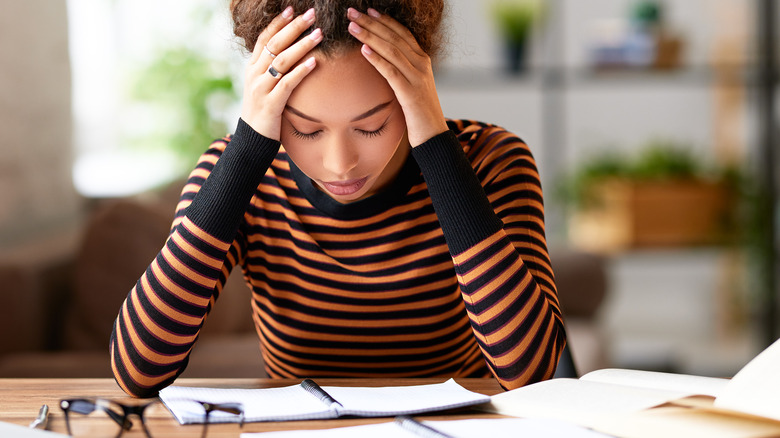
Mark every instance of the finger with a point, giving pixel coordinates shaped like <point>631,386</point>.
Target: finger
<point>388,70</point>
<point>374,47</point>
<point>276,25</point>
<point>287,83</point>
<point>282,39</point>
<point>387,29</point>
<point>288,58</point>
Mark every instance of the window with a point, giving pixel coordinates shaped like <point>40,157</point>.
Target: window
<point>122,134</point>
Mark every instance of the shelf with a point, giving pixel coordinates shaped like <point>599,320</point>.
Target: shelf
<point>495,78</point>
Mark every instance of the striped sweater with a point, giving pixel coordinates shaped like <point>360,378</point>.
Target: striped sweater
<point>444,273</point>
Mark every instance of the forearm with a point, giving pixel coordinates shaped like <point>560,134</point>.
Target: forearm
<point>517,322</point>
<point>501,259</point>
<point>161,318</point>
<point>464,212</point>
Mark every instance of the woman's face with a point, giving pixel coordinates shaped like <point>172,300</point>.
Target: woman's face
<point>344,128</point>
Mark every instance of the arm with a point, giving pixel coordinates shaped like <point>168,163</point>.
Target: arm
<point>162,315</point>
<point>500,255</point>
<point>498,247</point>
<point>161,318</point>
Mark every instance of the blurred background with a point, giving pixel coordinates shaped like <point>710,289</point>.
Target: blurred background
<point>653,123</point>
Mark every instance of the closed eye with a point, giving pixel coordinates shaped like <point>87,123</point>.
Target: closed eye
<point>372,134</point>
<point>305,135</point>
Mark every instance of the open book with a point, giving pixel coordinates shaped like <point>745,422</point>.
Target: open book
<point>644,403</point>
<point>309,401</point>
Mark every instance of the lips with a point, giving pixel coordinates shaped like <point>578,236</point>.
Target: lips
<point>344,188</point>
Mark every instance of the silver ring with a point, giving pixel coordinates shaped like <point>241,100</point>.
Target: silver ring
<point>266,50</point>
<point>276,74</point>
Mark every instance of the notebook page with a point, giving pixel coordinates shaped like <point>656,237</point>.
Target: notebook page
<point>398,400</point>
<point>267,404</point>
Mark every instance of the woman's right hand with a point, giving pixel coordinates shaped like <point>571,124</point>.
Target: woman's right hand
<point>265,96</point>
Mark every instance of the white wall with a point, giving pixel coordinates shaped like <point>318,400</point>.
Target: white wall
<point>36,193</point>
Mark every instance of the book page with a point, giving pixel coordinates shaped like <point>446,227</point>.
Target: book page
<point>686,383</point>
<point>398,400</point>
<point>579,401</point>
<point>755,389</point>
<point>678,422</point>
<point>268,404</point>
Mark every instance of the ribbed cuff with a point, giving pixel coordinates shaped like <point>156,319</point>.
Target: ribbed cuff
<point>463,209</point>
<point>224,197</point>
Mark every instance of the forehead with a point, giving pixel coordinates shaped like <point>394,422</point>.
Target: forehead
<point>340,87</point>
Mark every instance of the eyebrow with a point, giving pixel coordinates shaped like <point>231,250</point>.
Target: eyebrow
<point>366,114</point>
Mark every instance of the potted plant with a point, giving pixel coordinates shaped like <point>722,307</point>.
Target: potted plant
<point>514,20</point>
<point>663,197</point>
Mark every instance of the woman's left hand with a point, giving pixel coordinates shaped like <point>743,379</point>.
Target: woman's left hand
<point>393,51</point>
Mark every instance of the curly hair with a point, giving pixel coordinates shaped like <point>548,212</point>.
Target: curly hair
<point>422,17</point>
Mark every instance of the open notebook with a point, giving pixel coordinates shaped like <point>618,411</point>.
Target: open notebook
<point>309,401</point>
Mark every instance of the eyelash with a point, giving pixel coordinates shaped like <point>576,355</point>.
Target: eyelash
<point>313,135</point>
<point>301,135</point>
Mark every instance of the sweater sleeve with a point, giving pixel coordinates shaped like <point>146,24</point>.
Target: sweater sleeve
<point>493,222</point>
<point>160,319</point>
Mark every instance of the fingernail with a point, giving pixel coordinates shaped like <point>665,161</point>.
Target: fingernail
<point>366,50</point>
<point>309,15</point>
<point>316,34</point>
<point>373,12</point>
<point>353,14</point>
<point>355,28</point>
<point>288,12</point>
<point>310,62</point>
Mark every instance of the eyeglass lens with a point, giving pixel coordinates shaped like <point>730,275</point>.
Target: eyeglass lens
<point>120,413</point>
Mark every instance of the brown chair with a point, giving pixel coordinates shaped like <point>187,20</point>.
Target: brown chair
<point>582,282</point>
<point>121,238</point>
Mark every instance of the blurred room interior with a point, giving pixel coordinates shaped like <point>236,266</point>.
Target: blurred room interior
<point>653,123</point>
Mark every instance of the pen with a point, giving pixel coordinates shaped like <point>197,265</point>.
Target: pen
<point>418,428</point>
<point>315,389</point>
<point>42,420</point>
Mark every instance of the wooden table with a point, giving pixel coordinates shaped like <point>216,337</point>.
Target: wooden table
<point>20,400</point>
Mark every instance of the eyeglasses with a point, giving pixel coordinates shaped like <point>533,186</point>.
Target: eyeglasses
<point>120,412</point>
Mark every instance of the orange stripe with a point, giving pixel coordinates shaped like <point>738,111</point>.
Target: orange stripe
<point>173,288</point>
<point>195,252</point>
<point>350,278</point>
<point>186,271</point>
<point>264,325</point>
<point>340,322</point>
<point>202,235</point>
<point>349,294</point>
<point>151,326</point>
<point>129,365</point>
<point>479,271</point>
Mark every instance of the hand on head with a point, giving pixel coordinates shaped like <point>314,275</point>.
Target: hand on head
<point>393,51</point>
<point>277,66</point>
<point>272,73</point>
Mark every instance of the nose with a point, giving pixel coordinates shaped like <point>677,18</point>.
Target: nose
<point>340,156</point>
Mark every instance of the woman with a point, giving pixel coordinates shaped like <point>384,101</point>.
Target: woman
<point>378,238</point>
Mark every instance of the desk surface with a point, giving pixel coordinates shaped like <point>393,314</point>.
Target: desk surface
<point>20,400</point>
